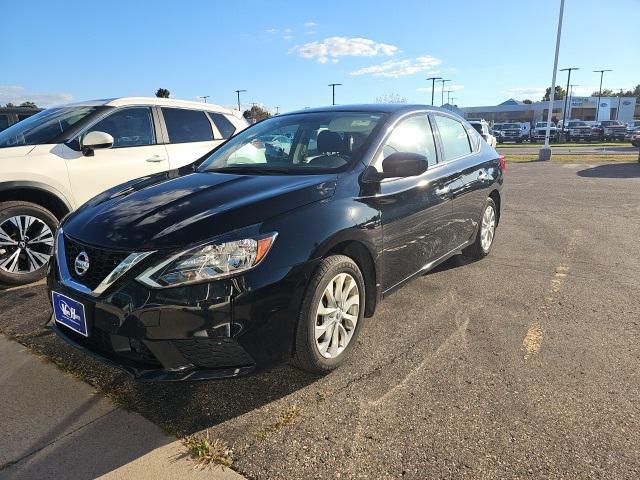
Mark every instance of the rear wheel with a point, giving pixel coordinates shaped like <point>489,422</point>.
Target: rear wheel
<point>331,315</point>
<point>26,241</point>
<point>486,232</point>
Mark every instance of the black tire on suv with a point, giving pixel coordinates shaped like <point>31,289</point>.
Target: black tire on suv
<point>26,241</point>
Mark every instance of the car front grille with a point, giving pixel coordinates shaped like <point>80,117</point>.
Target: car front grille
<point>213,353</point>
<point>101,262</point>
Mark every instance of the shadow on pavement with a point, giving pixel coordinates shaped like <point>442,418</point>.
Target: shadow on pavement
<point>612,170</point>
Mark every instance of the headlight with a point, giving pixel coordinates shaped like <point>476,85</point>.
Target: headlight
<point>208,262</point>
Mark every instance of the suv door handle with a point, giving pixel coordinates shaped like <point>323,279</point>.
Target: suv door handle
<point>156,159</point>
<point>443,191</point>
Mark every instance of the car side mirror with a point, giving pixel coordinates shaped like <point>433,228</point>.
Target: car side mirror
<point>94,140</point>
<point>403,164</point>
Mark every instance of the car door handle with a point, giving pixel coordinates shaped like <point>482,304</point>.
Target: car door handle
<point>443,191</point>
<point>156,159</point>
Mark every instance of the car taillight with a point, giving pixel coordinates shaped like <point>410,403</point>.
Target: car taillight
<point>503,163</point>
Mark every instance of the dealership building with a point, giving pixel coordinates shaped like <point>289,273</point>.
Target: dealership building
<point>624,109</point>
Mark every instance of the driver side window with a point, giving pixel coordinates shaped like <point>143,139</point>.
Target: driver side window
<point>129,127</point>
<point>411,135</point>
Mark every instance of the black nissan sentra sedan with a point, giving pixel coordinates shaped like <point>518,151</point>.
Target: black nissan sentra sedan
<point>276,245</point>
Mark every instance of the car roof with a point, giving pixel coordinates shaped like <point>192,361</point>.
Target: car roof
<point>164,102</point>
<point>372,108</point>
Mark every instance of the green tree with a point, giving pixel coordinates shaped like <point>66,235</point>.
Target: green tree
<point>9,105</point>
<point>28,104</point>
<point>256,113</point>
<point>527,101</point>
<point>163,93</point>
<point>607,92</point>
<point>560,93</point>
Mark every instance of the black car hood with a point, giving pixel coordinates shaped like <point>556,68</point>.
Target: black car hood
<point>171,210</point>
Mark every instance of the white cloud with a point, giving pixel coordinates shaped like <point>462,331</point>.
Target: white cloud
<point>453,88</point>
<point>271,30</point>
<point>310,24</point>
<point>399,68</point>
<point>17,94</point>
<point>287,37</point>
<point>526,91</point>
<point>287,30</point>
<point>334,47</point>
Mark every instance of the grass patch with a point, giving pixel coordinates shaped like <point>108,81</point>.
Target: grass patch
<point>206,452</point>
<point>572,144</point>
<point>600,158</point>
<point>288,417</point>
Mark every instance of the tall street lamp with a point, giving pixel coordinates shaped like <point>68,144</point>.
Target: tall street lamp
<point>601,72</point>
<point>571,98</point>
<point>333,91</point>
<point>433,86</point>
<point>204,97</point>
<point>449,96</point>
<point>566,95</point>
<point>545,152</point>
<point>238,92</point>
<point>442,93</point>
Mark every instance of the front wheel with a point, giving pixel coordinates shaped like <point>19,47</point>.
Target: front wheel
<point>331,315</point>
<point>486,232</point>
<point>26,241</point>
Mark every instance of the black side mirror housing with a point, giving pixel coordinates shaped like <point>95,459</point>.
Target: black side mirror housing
<point>403,164</point>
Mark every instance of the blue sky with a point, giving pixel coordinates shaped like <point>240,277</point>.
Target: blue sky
<point>284,53</point>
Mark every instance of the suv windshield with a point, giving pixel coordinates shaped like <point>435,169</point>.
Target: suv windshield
<point>510,125</point>
<point>301,143</point>
<point>578,124</point>
<point>43,127</point>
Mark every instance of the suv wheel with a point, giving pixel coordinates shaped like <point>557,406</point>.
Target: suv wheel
<point>331,315</point>
<point>26,241</point>
<point>486,232</point>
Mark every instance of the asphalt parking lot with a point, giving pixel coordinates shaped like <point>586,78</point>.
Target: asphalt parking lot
<point>523,365</point>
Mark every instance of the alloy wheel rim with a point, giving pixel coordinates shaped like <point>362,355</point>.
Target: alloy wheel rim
<point>337,315</point>
<point>26,244</point>
<point>487,228</point>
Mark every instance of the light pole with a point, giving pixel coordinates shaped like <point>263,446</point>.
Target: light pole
<point>601,72</point>
<point>452,100</point>
<point>433,86</point>
<point>449,96</point>
<point>277,110</point>
<point>333,91</point>
<point>566,96</point>
<point>618,109</point>
<point>204,97</point>
<point>571,98</point>
<point>238,93</point>
<point>442,93</point>
<point>545,152</point>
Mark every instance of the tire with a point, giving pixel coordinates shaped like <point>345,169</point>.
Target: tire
<point>478,249</point>
<point>30,263</point>
<point>307,354</point>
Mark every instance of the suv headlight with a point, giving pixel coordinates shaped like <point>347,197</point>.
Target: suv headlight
<point>208,262</point>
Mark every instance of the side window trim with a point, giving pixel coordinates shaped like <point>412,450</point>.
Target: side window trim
<point>115,110</point>
<point>162,137</point>
<point>435,125</point>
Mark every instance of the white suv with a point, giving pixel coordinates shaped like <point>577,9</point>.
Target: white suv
<point>54,161</point>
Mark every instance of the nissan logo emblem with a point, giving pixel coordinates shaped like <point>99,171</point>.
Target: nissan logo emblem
<point>81,265</point>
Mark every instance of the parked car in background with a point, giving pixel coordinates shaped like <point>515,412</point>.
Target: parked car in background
<point>609,130</point>
<point>483,128</point>
<point>540,132</point>
<point>220,268</point>
<point>513,132</point>
<point>577,130</point>
<point>56,160</point>
<point>12,115</point>
<point>632,127</point>
<point>635,138</point>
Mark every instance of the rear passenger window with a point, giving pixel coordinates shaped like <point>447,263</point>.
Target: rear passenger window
<point>224,126</point>
<point>185,126</point>
<point>455,141</point>
<point>412,135</point>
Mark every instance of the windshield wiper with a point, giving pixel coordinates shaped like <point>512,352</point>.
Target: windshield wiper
<point>250,170</point>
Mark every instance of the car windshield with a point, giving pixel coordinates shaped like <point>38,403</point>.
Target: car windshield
<point>301,143</point>
<point>510,125</point>
<point>43,127</point>
<point>577,124</point>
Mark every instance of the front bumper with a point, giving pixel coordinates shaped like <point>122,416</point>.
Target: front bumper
<point>213,330</point>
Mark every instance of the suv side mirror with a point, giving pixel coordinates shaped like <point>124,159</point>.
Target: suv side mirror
<point>403,164</point>
<point>94,140</point>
